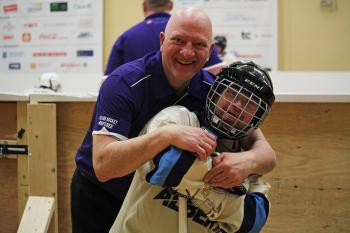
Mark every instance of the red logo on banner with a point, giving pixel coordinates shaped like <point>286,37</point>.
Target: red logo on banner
<point>10,8</point>
<point>8,37</point>
<point>30,25</point>
<point>50,54</point>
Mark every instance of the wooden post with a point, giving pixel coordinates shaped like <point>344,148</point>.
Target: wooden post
<point>22,160</point>
<point>42,158</point>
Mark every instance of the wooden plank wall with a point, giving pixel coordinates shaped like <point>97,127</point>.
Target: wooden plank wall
<point>8,171</point>
<point>310,185</point>
<point>73,120</point>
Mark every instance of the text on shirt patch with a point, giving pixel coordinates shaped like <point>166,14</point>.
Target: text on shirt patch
<point>107,122</point>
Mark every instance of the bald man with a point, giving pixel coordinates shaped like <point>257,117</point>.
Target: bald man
<point>143,37</point>
<point>112,148</point>
<point>129,97</point>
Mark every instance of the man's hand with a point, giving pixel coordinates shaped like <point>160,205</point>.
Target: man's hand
<point>193,139</point>
<point>229,170</point>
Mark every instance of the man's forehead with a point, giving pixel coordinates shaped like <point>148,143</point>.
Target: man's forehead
<point>190,35</point>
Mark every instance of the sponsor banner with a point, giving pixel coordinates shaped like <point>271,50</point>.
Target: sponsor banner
<point>250,27</point>
<point>51,36</point>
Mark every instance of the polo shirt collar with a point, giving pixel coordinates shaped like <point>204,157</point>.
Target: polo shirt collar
<point>159,14</point>
<point>160,85</point>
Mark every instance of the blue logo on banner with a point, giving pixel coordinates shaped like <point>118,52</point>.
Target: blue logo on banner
<point>85,53</point>
<point>84,35</point>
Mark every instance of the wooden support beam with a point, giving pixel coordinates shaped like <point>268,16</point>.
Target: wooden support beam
<point>22,161</point>
<point>42,158</point>
<point>37,215</point>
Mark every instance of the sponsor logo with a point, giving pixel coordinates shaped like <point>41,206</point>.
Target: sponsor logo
<point>253,84</point>
<point>246,35</point>
<point>49,54</point>
<point>58,24</point>
<point>47,36</point>
<point>85,53</point>
<point>35,66</point>
<point>71,65</point>
<point>7,46</point>
<point>26,37</point>
<point>266,35</point>
<point>15,54</point>
<point>10,8</point>
<point>86,23</point>
<point>82,6</point>
<point>59,6</point>
<point>35,7</point>
<point>8,26</point>
<point>8,37</point>
<point>15,66</point>
<point>30,25</point>
<point>83,35</point>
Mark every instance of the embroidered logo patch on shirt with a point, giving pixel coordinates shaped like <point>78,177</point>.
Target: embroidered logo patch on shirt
<point>107,122</point>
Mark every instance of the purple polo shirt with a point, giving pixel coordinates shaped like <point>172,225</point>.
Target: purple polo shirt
<point>128,98</point>
<point>141,39</point>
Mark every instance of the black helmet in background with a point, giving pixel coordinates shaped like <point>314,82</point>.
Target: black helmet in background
<point>220,41</point>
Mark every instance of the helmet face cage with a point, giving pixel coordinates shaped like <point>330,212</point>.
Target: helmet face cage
<point>232,110</point>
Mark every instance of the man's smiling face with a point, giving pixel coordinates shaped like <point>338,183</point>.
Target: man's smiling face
<point>185,45</point>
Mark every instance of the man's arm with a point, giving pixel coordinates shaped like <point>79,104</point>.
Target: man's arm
<point>112,158</point>
<point>260,152</point>
<point>231,169</point>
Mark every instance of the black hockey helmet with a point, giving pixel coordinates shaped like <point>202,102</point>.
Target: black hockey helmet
<point>239,99</point>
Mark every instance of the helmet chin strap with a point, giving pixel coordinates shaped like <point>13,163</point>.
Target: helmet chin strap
<point>48,87</point>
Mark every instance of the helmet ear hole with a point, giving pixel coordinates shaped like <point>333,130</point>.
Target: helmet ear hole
<point>239,100</point>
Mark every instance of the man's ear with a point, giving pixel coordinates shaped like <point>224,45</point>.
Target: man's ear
<point>161,39</point>
<point>210,50</point>
<point>170,6</point>
<point>144,8</point>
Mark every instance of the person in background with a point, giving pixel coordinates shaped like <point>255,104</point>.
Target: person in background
<point>143,37</point>
<point>221,43</point>
<point>130,96</point>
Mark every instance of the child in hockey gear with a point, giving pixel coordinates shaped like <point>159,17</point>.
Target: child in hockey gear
<point>237,103</point>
